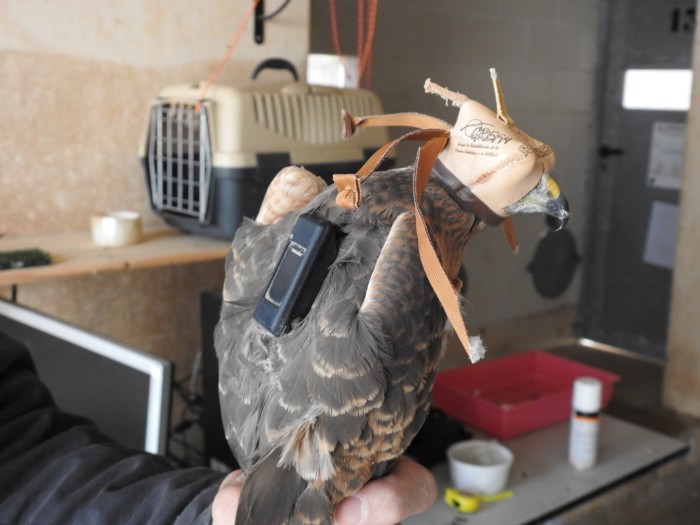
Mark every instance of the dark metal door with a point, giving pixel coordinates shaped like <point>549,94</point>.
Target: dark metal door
<point>629,255</point>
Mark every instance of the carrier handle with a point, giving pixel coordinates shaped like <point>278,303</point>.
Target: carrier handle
<point>275,63</point>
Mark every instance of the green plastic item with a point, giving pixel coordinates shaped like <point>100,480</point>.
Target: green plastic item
<point>15,259</point>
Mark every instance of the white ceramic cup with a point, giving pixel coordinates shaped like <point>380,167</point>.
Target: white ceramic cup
<point>117,228</point>
<point>479,467</point>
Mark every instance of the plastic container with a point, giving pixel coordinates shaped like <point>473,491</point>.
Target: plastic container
<point>207,163</point>
<point>585,422</point>
<point>479,467</point>
<point>513,395</point>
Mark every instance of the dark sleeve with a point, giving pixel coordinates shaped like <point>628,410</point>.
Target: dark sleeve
<point>57,468</point>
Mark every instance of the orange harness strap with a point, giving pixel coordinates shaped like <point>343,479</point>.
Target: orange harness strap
<point>411,120</point>
<point>350,197</point>
<point>431,263</point>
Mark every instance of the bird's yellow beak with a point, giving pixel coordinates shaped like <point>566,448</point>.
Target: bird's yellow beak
<point>556,204</point>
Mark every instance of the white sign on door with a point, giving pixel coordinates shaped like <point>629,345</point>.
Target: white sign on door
<point>666,155</point>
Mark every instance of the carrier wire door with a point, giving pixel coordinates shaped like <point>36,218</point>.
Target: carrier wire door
<point>180,159</point>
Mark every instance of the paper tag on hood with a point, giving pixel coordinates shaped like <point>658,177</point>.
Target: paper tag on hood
<point>498,162</point>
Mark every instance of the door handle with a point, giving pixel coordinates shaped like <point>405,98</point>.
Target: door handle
<point>606,151</point>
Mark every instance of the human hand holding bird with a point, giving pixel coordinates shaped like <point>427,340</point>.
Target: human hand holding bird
<point>407,490</point>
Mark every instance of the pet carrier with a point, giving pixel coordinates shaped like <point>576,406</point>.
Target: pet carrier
<point>208,164</point>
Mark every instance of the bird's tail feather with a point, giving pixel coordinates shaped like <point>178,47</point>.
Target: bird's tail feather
<point>269,493</point>
<point>314,506</point>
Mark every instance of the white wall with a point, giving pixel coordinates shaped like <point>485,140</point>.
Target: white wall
<point>546,53</point>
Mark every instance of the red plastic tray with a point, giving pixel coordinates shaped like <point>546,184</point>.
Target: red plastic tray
<point>517,394</point>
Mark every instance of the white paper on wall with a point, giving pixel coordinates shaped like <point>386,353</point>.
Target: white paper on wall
<point>666,155</point>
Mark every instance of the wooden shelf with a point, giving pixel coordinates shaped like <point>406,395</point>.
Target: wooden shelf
<point>74,253</point>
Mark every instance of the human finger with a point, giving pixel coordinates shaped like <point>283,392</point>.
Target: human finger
<point>408,489</point>
<point>225,504</point>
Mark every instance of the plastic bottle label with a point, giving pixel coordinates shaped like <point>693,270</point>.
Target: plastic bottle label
<point>583,442</point>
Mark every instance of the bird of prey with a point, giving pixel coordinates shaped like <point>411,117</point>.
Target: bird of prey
<point>316,412</point>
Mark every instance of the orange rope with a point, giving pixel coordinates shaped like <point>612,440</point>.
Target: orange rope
<point>229,50</point>
<point>334,29</point>
<point>365,58</point>
<point>334,37</point>
<point>360,32</point>
<point>368,73</point>
<point>364,43</point>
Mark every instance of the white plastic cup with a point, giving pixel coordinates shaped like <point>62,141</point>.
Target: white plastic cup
<point>479,467</point>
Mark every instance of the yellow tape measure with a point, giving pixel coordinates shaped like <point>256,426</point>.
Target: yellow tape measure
<point>468,502</point>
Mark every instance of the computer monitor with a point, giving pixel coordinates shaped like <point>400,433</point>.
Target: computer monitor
<point>125,391</point>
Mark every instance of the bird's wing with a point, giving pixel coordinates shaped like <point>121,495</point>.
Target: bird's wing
<point>274,389</point>
<point>369,367</point>
<point>244,355</point>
